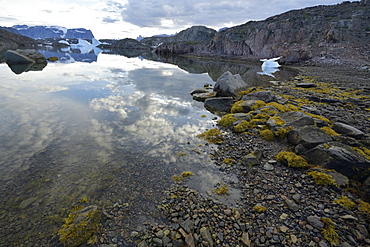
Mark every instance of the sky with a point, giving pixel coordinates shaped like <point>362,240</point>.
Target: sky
<point>118,19</point>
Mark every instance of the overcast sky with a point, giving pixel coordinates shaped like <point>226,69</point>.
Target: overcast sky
<point>131,18</point>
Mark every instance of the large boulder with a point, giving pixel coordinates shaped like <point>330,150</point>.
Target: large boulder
<point>228,85</point>
<point>340,157</point>
<point>265,96</point>
<point>24,56</point>
<point>348,130</point>
<point>219,104</point>
<point>296,119</point>
<point>308,136</point>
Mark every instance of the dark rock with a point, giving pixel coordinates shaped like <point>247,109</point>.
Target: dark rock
<point>250,160</point>
<point>291,205</point>
<point>188,225</point>
<point>340,157</point>
<point>242,116</point>
<point>347,140</point>
<point>203,96</point>
<point>308,136</point>
<point>219,104</point>
<point>306,85</point>
<point>265,96</point>
<point>348,130</point>
<point>339,178</point>
<point>24,56</point>
<point>296,119</point>
<point>228,85</point>
<point>206,235</point>
<point>366,188</point>
<point>315,222</point>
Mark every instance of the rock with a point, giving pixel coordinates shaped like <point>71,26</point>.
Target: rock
<point>296,119</point>
<point>13,57</point>
<point>366,187</point>
<point>24,56</point>
<point>198,90</point>
<point>315,222</point>
<point>206,235</point>
<point>203,96</point>
<point>265,96</point>
<point>219,104</point>
<point>340,157</point>
<point>250,160</point>
<point>26,203</point>
<point>308,136</point>
<point>291,205</point>
<point>188,225</point>
<point>228,85</point>
<point>245,239</point>
<point>348,130</point>
<point>306,85</point>
<point>268,167</point>
<point>242,116</point>
<point>339,179</point>
<point>157,242</point>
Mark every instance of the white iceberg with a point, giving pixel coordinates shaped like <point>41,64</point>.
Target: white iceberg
<point>269,66</point>
<point>86,47</point>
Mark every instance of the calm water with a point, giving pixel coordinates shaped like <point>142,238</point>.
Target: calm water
<point>108,127</point>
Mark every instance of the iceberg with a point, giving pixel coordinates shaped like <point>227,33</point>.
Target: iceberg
<point>86,47</point>
<point>269,66</point>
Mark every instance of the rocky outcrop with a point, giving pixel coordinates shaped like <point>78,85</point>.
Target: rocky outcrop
<point>228,85</point>
<point>192,34</point>
<point>10,40</point>
<point>337,34</point>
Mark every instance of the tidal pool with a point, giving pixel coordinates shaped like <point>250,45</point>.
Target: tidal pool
<point>112,129</point>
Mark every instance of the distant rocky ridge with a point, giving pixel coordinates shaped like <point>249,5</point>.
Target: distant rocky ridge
<point>322,34</point>
<point>192,34</point>
<point>42,32</point>
<point>10,40</point>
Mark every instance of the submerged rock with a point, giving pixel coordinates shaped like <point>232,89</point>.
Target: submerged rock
<point>24,56</point>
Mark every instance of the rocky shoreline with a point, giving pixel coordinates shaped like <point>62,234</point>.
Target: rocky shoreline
<point>280,205</point>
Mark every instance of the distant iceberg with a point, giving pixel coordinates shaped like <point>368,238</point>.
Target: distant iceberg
<point>86,47</point>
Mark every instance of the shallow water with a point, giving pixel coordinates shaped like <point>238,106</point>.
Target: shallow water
<point>112,128</point>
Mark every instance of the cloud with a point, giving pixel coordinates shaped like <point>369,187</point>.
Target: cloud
<point>146,13</point>
<point>110,20</point>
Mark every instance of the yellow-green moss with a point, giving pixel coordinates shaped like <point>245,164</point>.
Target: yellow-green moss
<point>363,151</point>
<point>281,133</point>
<point>237,107</point>
<point>364,208</point>
<point>322,178</point>
<point>262,115</point>
<point>227,120</point>
<point>243,126</point>
<point>345,202</point>
<point>267,134</point>
<point>203,116</point>
<point>329,232</point>
<point>222,190</point>
<point>53,59</point>
<point>78,228</point>
<point>329,131</point>
<point>182,176</point>
<point>250,90</point>
<point>258,104</point>
<point>212,136</point>
<point>259,209</point>
<point>318,117</point>
<point>278,120</point>
<point>229,161</point>
<point>292,159</point>
<point>279,107</point>
<point>84,200</point>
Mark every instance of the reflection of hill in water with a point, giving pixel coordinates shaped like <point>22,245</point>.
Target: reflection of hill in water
<point>215,68</point>
<point>66,55</point>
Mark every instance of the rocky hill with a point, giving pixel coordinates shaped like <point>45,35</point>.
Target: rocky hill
<point>10,40</point>
<point>336,34</point>
<point>192,34</point>
<point>42,32</point>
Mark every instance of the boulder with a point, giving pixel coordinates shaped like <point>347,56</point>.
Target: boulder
<point>308,136</point>
<point>24,56</point>
<point>348,130</point>
<point>265,96</point>
<point>228,85</point>
<point>203,96</point>
<point>296,119</point>
<point>340,157</point>
<point>219,104</point>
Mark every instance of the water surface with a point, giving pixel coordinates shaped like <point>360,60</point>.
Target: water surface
<point>110,128</point>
